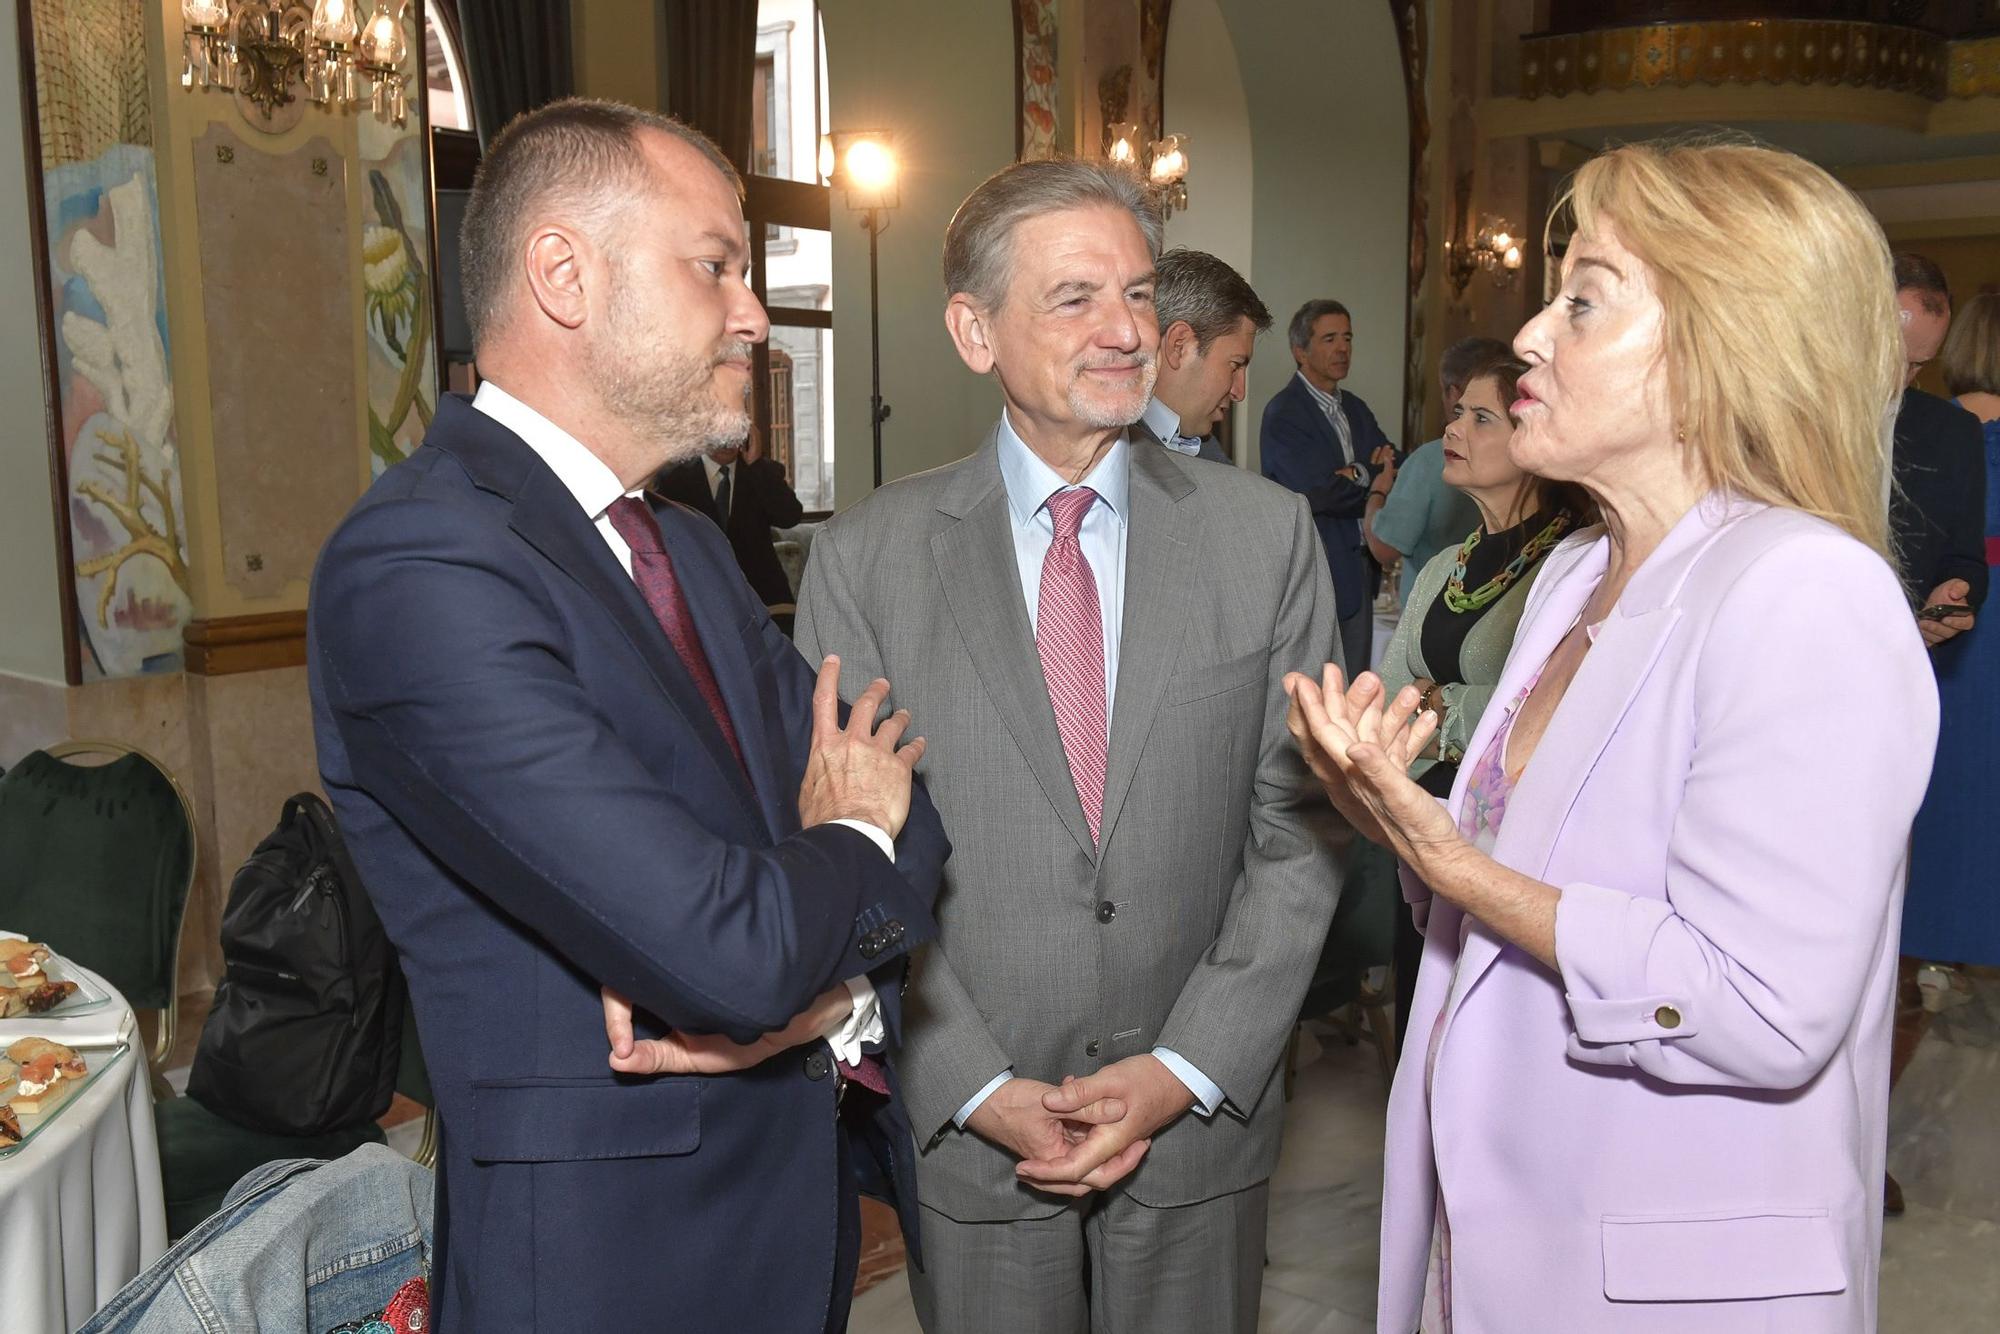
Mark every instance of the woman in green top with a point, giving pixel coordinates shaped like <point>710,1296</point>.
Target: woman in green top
<point>1458,622</point>
<point>1460,619</point>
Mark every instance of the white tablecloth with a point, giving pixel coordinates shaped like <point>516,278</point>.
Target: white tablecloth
<point>81,1206</point>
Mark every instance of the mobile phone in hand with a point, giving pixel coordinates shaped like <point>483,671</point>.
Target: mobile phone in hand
<point>1940,611</point>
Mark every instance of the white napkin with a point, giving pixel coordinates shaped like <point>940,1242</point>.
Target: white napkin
<point>106,1026</point>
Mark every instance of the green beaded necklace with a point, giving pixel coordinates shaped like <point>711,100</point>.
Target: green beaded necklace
<point>1458,600</point>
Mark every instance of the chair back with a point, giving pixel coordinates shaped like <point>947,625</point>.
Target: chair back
<point>97,861</point>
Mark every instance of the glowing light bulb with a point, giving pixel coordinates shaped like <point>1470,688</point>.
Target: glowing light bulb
<point>870,165</point>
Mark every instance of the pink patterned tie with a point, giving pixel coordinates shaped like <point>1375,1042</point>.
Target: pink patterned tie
<point>1069,635</point>
<point>653,571</point>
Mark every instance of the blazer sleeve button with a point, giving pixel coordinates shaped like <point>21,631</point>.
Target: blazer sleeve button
<point>1667,1017</point>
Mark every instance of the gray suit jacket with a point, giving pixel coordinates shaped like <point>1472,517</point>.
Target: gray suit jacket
<point>1218,850</point>
<point>1209,449</point>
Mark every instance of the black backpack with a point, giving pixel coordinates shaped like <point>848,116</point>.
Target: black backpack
<point>307,1027</point>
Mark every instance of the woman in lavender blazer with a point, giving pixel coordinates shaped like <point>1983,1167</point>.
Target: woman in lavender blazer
<point>1646,1083</point>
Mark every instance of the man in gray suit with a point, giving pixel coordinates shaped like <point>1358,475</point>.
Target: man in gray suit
<point>1209,320</point>
<point>1094,631</point>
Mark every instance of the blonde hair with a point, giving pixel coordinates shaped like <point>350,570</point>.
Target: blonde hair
<point>1783,355</point>
<point>1971,356</point>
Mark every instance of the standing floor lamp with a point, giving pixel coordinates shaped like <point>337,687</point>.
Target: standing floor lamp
<point>862,165</point>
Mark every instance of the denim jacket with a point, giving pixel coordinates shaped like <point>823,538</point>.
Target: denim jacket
<point>356,1228</point>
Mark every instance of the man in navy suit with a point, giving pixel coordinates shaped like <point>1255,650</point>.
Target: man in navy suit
<point>1325,444</point>
<point>651,893</point>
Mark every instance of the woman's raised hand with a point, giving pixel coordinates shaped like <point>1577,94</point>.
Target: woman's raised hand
<point>1360,747</point>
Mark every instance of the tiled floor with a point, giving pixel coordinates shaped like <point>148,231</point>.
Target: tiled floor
<point>1940,1261</point>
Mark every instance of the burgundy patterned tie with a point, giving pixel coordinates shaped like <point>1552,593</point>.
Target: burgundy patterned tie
<point>653,571</point>
<point>1069,635</point>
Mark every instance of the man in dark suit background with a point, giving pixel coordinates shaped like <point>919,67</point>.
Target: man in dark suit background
<point>646,886</point>
<point>1209,321</point>
<point>1326,445</point>
<point>747,496</point>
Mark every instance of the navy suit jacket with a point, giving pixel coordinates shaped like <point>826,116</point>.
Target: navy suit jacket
<point>539,802</point>
<point>1302,454</point>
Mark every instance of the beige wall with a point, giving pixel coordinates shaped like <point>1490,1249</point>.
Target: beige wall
<point>1202,95</point>
<point>941,76</point>
<point>1330,209</point>
<point>31,638</point>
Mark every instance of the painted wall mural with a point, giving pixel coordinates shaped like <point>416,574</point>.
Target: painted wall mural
<point>395,271</point>
<point>128,533</point>
<point>1035,52</point>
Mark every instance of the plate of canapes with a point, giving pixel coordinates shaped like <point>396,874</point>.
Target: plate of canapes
<point>35,980</point>
<point>39,1078</point>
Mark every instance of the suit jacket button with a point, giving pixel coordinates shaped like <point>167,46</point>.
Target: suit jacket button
<point>895,930</point>
<point>869,947</point>
<point>1090,1047</point>
<point>1106,911</point>
<point>1667,1017</point>
<point>818,1065</point>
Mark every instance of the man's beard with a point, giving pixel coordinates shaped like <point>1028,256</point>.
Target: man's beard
<point>668,397</point>
<point>1105,415</point>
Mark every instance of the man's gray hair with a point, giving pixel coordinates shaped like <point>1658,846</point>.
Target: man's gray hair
<point>586,156</point>
<point>1311,313</point>
<point>979,243</point>
<point>1203,292</point>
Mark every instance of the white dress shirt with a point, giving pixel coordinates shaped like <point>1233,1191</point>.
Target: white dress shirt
<point>596,488</point>
<point>714,471</point>
<point>1165,423</point>
<point>1336,416</point>
<point>1030,482</point>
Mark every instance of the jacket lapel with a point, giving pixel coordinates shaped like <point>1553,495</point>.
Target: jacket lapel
<point>1160,575</point>
<point>1619,661</point>
<point>547,516</point>
<point>982,584</point>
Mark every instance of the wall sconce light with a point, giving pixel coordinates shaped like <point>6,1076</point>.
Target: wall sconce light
<point>1494,249</point>
<point>862,165</point>
<point>258,49</point>
<point>1164,162</point>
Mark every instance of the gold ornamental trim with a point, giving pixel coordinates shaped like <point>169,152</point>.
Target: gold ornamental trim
<point>1780,52</point>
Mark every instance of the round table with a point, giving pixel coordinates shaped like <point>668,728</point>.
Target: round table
<point>82,1200</point>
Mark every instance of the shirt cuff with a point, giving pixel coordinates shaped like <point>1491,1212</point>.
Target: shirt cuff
<point>876,836</point>
<point>862,1025</point>
<point>972,1104</point>
<point>1208,1098</point>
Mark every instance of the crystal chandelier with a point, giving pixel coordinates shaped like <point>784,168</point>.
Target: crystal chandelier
<point>1164,161</point>
<point>259,49</point>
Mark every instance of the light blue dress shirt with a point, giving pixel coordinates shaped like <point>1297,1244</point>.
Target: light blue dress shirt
<point>1030,482</point>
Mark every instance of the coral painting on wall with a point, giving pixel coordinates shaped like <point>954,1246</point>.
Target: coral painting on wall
<point>1035,53</point>
<point>114,389</point>
<point>396,273</point>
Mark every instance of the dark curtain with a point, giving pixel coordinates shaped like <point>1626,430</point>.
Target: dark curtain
<point>518,56</point>
<point>711,59</point>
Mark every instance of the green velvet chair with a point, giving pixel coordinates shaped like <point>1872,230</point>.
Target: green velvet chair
<point>97,860</point>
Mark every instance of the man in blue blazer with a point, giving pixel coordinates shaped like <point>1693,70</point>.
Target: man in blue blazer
<point>652,894</point>
<point>1323,443</point>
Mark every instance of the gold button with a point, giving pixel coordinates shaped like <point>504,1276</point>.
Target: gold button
<point>1667,1017</point>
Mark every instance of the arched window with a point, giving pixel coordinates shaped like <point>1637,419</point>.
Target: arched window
<point>444,73</point>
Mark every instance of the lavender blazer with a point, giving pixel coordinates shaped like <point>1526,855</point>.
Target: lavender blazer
<point>1684,1130</point>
